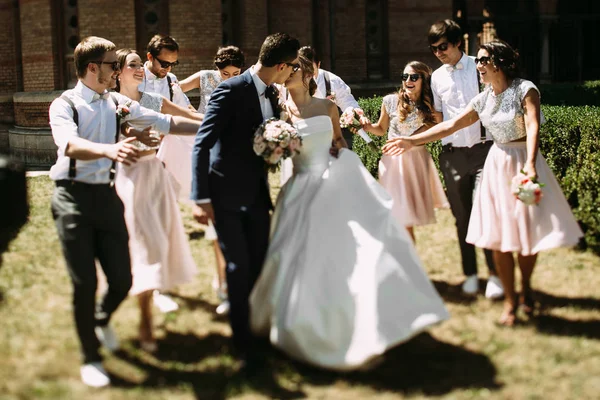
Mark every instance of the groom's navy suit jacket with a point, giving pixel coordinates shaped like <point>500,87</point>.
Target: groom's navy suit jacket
<point>225,168</point>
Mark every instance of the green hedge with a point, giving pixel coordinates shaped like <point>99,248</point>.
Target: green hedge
<point>570,143</point>
<point>571,94</point>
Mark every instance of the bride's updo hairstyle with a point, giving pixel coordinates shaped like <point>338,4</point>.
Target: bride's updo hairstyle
<point>503,57</point>
<point>306,66</point>
<point>121,58</point>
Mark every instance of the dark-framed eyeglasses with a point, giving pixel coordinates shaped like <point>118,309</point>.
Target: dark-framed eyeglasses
<point>440,47</point>
<point>483,60</point>
<point>166,64</point>
<point>115,65</point>
<point>295,66</point>
<point>412,77</point>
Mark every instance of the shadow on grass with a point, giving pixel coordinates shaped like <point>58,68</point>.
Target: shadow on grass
<point>423,365</point>
<point>557,326</point>
<point>196,303</point>
<point>453,293</point>
<point>548,300</point>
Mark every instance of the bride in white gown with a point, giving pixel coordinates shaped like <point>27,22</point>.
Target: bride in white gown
<point>342,281</point>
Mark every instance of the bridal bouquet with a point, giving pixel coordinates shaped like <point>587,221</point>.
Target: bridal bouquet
<point>350,119</point>
<point>275,140</point>
<point>529,191</point>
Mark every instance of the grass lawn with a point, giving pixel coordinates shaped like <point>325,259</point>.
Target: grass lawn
<point>555,355</point>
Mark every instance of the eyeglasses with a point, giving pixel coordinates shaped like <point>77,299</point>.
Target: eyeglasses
<point>483,60</point>
<point>440,47</point>
<point>115,65</point>
<point>295,67</point>
<point>166,64</point>
<point>413,77</point>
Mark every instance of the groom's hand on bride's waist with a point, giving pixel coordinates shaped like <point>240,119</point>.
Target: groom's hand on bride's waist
<point>203,212</point>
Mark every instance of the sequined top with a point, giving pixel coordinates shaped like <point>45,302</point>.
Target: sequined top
<point>502,115</point>
<point>209,80</point>
<point>413,120</point>
<point>151,101</point>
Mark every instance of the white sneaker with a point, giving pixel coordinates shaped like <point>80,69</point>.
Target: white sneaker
<point>223,308</point>
<point>94,375</point>
<point>470,285</point>
<point>494,289</point>
<point>107,337</point>
<point>164,303</point>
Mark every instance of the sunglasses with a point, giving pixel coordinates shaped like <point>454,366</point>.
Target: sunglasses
<point>440,47</point>
<point>483,60</point>
<point>295,67</point>
<point>413,77</point>
<point>166,64</point>
<point>115,65</point>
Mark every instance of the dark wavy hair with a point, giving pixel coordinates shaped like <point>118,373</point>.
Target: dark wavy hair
<point>503,57</point>
<point>121,58</point>
<point>229,55</point>
<point>159,42</point>
<point>446,28</point>
<point>425,103</point>
<point>278,48</point>
<point>307,69</point>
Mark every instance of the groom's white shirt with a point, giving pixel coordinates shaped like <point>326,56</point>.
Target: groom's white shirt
<point>265,104</point>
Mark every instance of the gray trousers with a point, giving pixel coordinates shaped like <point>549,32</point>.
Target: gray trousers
<point>90,223</point>
<point>462,167</point>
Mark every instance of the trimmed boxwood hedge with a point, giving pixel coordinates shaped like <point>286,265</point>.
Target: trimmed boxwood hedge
<point>570,143</point>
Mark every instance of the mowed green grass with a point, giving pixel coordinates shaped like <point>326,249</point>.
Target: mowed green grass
<point>555,355</point>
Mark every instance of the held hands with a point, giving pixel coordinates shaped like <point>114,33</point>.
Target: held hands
<point>143,136</point>
<point>203,212</point>
<point>397,146</point>
<point>123,151</point>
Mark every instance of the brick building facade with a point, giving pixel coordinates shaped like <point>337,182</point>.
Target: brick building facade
<point>367,43</point>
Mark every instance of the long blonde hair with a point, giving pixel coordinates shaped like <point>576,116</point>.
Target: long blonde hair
<point>425,103</point>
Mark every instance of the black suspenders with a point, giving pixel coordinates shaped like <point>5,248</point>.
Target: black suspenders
<point>170,87</point>
<point>72,161</point>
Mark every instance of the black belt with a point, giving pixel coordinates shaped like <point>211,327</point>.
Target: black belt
<point>449,147</point>
<point>70,182</point>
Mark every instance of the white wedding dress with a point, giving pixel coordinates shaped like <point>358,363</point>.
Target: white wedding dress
<point>342,281</point>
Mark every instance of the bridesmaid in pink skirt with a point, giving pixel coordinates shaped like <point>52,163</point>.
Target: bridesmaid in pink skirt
<point>509,108</point>
<point>161,257</point>
<point>411,178</point>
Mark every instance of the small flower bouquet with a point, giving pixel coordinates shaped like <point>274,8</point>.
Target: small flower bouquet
<point>528,190</point>
<point>275,140</point>
<point>351,119</point>
<point>123,110</point>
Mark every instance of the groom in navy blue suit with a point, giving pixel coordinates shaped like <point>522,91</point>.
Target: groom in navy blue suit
<point>229,184</point>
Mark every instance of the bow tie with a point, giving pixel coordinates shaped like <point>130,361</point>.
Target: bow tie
<point>271,93</point>
<point>451,68</point>
<point>102,96</point>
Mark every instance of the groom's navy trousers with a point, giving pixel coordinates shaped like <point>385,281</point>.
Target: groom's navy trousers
<point>228,174</point>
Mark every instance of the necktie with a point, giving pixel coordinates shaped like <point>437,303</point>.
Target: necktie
<point>451,68</point>
<point>102,96</point>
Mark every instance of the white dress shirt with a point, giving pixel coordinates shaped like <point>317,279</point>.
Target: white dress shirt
<point>453,89</point>
<point>154,84</point>
<point>265,103</point>
<point>97,123</point>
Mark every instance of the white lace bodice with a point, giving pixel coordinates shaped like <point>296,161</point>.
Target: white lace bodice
<point>317,134</point>
<point>151,101</point>
<point>503,115</point>
<point>209,80</point>
<point>413,120</point>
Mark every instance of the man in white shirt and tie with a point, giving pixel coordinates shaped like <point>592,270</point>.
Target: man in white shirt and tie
<point>86,209</point>
<point>463,155</point>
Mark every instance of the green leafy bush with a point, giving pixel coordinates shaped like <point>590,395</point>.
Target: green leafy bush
<point>570,143</point>
<point>571,94</point>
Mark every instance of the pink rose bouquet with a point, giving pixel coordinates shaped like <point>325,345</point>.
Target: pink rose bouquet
<point>123,110</point>
<point>528,190</point>
<point>275,140</point>
<point>352,118</point>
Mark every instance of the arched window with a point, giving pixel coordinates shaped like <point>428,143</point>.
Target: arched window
<point>152,17</point>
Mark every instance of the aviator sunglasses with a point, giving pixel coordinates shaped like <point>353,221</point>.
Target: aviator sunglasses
<point>440,47</point>
<point>413,77</point>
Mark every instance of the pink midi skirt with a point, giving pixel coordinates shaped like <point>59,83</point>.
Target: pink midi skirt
<point>499,221</point>
<point>160,252</point>
<point>413,182</point>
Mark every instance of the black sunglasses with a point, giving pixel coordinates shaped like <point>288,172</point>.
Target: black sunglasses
<point>166,64</point>
<point>295,67</point>
<point>483,60</point>
<point>440,47</point>
<point>413,77</point>
<point>115,65</point>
